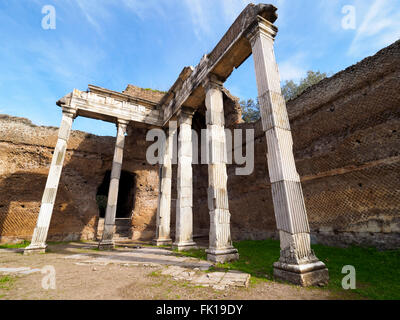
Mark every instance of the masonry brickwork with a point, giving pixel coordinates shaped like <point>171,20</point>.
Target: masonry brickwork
<point>25,157</point>
<point>346,133</point>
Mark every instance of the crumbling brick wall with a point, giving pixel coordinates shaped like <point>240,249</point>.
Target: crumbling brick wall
<point>346,143</point>
<point>346,133</point>
<point>25,157</point>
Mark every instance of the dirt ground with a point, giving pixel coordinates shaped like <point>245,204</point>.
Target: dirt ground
<point>126,282</point>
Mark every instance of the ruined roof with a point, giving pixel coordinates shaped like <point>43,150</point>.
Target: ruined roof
<point>144,94</point>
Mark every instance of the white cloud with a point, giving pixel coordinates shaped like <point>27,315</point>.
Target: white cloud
<point>293,68</point>
<point>66,60</point>
<point>206,14</point>
<point>201,16</point>
<point>232,8</point>
<point>143,9</point>
<point>88,11</point>
<point>379,28</point>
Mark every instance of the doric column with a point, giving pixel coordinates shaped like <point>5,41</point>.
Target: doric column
<point>111,210</point>
<point>38,243</point>
<point>220,249</point>
<point>297,262</point>
<point>163,236</point>
<point>184,203</point>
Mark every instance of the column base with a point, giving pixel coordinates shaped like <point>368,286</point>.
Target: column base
<point>222,256</point>
<point>311,274</point>
<point>106,245</point>
<point>162,242</point>
<point>33,249</point>
<point>184,246</point>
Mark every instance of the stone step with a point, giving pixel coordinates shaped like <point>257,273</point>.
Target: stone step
<point>122,239</point>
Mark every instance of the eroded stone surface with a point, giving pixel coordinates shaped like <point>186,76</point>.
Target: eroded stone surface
<point>144,256</point>
<point>216,280</point>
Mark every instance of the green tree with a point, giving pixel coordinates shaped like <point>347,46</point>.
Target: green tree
<point>290,90</point>
<point>250,110</point>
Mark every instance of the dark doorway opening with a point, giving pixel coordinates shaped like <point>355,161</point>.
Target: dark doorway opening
<point>126,195</point>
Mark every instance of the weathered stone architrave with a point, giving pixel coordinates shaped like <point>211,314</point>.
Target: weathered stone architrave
<point>184,203</point>
<point>297,262</point>
<point>220,249</point>
<point>38,243</point>
<point>111,210</point>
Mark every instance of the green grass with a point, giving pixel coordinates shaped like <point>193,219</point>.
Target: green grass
<point>377,272</point>
<point>6,282</point>
<point>193,253</point>
<point>15,245</point>
<point>155,90</point>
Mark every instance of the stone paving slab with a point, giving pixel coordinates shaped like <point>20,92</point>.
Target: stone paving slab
<point>179,268</point>
<point>18,271</point>
<point>152,257</point>
<point>216,280</point>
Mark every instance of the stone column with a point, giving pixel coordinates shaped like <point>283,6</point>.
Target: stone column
<point>163,236</point>
<point>107,242</point>
<point>297,263</point>
<point>38,243</point>
<point>220,249</point>
<point>184,203</point>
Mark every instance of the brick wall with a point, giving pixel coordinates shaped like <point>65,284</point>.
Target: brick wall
<point>346,133</point>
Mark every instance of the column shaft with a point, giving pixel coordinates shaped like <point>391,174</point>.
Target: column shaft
<point>290,210</point>
<point>111,210</point>
<point>163,236</point>
<point>220,249</point>
<point>38,243</point>
<point>184,203</point>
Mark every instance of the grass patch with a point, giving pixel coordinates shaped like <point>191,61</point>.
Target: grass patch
<point>6,282</point>
<point>377,272</point>
<point>155,90</point>
<point>155,274</point>
<point>19,245</point>
<point>193,253</point>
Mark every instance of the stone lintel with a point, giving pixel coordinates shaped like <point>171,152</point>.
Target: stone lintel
<point>230,52</point>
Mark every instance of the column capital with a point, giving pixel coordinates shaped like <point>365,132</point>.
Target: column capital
<point>261,27</point>
<point>123,124</point>
<point>212,82</point>
<point>186,115</point>
<point>69,111</point>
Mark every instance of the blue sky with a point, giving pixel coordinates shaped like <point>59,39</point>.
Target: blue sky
<point>111,43</point>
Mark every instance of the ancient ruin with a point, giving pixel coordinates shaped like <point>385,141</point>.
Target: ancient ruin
<point>252,33</point>
<point>319,149</point>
